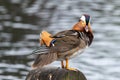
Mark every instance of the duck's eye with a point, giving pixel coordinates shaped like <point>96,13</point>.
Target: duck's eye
<point>79,20</point>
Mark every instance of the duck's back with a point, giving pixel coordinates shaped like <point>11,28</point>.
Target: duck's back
<point>68,42</point>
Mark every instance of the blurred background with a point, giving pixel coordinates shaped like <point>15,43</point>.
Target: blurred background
<point>21,21</point>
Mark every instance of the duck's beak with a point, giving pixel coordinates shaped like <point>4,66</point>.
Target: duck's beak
<point>86,28</point>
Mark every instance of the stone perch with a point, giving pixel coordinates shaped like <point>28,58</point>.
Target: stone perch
<point>55,74</point>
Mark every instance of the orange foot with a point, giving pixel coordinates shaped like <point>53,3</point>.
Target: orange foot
<point>67,67</point>
<point>73,69</point>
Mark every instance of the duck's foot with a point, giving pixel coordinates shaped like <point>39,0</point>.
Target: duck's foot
<point>69,68</point>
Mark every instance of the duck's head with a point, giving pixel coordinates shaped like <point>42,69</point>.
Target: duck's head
<point>83,24</point>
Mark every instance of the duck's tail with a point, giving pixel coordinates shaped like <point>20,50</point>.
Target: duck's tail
<point>43,57</point>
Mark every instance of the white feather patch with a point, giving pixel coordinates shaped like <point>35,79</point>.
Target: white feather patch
<point>82,18</point>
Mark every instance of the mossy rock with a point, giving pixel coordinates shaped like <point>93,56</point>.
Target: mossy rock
<point>55,74</point>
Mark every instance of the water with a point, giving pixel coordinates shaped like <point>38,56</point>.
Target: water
<point>21,21</point>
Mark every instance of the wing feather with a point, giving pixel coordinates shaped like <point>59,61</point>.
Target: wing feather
<point>44,59</point>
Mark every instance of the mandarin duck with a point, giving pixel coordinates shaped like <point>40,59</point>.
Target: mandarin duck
<point>65,44</point>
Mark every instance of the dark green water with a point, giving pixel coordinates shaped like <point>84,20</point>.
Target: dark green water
<point>21,21</point>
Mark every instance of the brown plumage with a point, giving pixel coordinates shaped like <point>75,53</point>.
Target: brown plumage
<point>65,44</point>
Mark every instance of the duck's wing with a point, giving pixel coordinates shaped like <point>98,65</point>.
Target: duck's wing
<point>66,40</point>
<point>43,57</point>
<point>40,50</point>
<point>65,33</point>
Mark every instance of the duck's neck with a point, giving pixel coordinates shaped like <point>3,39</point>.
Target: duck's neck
<point>89,34</point>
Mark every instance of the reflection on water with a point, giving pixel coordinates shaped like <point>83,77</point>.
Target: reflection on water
<point>21,22</point>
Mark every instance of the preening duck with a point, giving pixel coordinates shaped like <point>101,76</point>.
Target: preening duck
<point>65,44</point>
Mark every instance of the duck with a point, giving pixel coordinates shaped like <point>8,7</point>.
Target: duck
<point>64,45</point>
